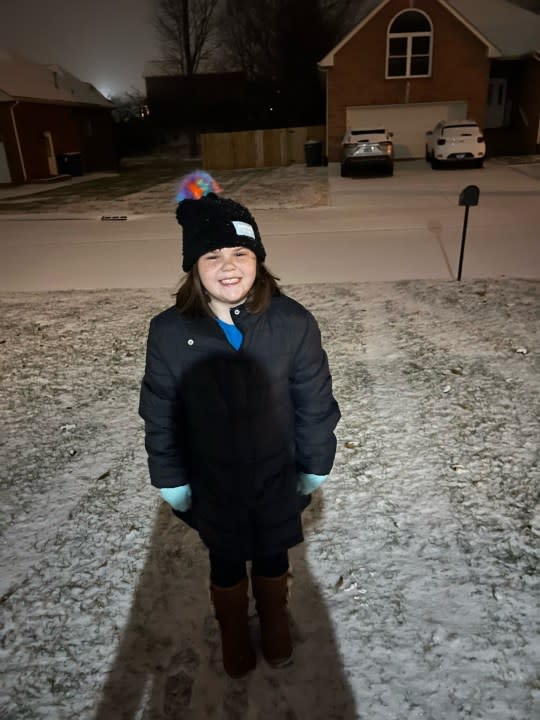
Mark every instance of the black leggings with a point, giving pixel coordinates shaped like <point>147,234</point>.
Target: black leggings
<point>226,571</point>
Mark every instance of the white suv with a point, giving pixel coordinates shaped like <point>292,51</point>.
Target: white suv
<point>455,141</point>
<point>363,147</point>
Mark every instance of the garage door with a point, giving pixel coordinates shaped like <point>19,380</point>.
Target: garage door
<point>409,123</point>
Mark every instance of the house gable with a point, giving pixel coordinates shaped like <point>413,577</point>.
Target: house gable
<point>328,60</point>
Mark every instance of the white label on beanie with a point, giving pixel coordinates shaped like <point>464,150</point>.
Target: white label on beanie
<point>243,228</point>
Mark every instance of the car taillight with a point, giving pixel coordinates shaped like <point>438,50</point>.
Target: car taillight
<point>480,138</point>
<point>441,141</point>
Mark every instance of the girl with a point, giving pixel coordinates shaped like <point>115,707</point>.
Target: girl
<point>239,416</point>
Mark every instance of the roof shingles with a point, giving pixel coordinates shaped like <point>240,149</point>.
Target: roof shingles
<point>21,79</point>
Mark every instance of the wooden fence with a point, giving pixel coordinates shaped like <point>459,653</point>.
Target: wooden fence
<point>258,148</point>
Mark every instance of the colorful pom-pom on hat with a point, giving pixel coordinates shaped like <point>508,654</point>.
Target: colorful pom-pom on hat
<point>210,222</point>
<point>196,185</point>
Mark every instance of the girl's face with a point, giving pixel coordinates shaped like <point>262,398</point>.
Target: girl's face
<point>227,275</point>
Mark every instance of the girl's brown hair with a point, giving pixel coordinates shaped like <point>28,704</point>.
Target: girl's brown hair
<point>193,301</point>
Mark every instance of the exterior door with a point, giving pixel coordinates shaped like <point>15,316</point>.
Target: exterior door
<point>51,157</point>
<point>5,175</point>
<point>496,103</point>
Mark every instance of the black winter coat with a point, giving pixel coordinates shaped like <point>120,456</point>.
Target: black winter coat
<point>239,425</point>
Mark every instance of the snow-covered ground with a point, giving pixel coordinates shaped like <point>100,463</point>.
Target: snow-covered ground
<point>415,595</point>
<point>294,186</point>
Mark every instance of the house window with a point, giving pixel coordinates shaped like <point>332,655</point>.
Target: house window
<point>410,41</point>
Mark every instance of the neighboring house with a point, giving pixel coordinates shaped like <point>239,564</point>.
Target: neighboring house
<point>209,101</point>
<point>410,63</point>
<point>45,112</point>
<point>206,101</point>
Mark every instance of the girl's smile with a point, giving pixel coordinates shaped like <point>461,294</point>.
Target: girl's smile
<point>227,275</point>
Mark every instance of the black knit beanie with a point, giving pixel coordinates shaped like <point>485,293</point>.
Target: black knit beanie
<point>214,222</point>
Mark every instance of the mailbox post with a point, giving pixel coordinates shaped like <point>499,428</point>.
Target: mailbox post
<point>468,197</point>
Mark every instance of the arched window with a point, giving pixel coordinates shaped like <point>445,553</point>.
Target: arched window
<point>410,40</point>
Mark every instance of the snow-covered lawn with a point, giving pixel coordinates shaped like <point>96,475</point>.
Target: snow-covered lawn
<point>294,186</point>
<point>415,596</point>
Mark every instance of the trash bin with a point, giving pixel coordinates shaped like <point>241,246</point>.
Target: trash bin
<point>70,164</point>
<point>313,153</point>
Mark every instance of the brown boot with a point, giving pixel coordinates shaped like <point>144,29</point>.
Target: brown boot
<point>231,606</point>
<point>271,595</point>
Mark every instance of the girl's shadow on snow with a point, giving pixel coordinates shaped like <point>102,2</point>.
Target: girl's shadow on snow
<point>168,664</point>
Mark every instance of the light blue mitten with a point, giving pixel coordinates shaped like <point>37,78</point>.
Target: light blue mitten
<point>178,498</point>
<point>307,482</point>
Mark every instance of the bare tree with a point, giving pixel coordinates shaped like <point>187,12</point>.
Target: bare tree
<point>281,41</point>
<point>129,105</point>
<point>256,34</point>
<point>340,15</point>
<point>184,28</point>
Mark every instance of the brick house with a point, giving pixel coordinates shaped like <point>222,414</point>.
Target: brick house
<point>45,112</point>
<point>410,63</point>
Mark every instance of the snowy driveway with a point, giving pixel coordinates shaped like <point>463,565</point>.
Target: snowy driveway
<point>415,596</point>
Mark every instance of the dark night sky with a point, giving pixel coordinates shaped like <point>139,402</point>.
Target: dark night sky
<point>105,42</point>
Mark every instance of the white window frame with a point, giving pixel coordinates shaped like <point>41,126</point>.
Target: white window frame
<point>409,36</point>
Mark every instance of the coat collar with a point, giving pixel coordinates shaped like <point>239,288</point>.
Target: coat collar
<point>205,332</point>
<point>241,317</point>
